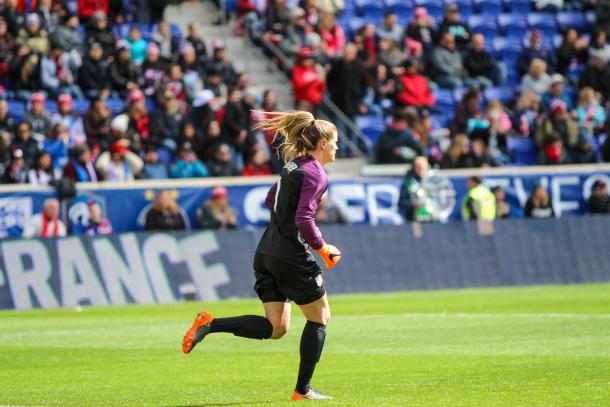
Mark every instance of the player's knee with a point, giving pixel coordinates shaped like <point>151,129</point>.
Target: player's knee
<point>279,331</point>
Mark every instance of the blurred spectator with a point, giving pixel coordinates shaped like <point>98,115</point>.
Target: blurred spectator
<point>188,134</point>
<point>7,123</point>
<point>71,121</point>
<point>599,201</point>
<point>452,24</point>
<point>80,168</point>
<point>277,16</point>
<point>220,64</point>
<point>236,122</point>
<point>481,65</point>
<point>552,152</point>
<point>502,207</point>
<point>413,201</point>
<point>33,35</point>
<point>458,154</point>
<point>38,117</point>
<point>118,164</point>
<point>347,82</point>
<point>165,126</point>
<point>153,69</point>
<point>137,45</point>
<point>571,53</point>
<point>556,91</point>
<point>414,88</point>
<point>98,31</point>
<point>153,167</point>
<point>47,223</point>
<point>194,38</point>
<point>421,27</point>
<point>308,80</point>
<point>538,204</point>
<point>5,152</point>
<point>295,33</point>
<point>56,145</point>
<point>590,114</point>
<point>259,165</point>
<point>333,37</point>
<point>48,12</point>
<point>397,144</point>
<point>468,108</point>
<point>15,172</point>
<point>389,29</point>
<point>98,226</point>
<point>188,165</point>
<point>446,63</point>
<point>7,43</point>
<point>24,72</point>
<point>598,47</point>
<point>534,50</point>
<point>168,45</point>
<point>527,112</point>
<point>480,203</point>
<point>192,73</point>
<point>221,164</point>
<point>67,35</point>
<point>480,154</point>
<point>138,131</point>
<point>124,74</point>
<point>89,8</point>
<point>597,76</point>
<point>97,124</point>
<point>559,124</point>
<point>495,136</point>
<point>330,214</point>
<point>25,142</point>
<point>164,214</point>
<point>216,212</point>
<point>56,72</point>
<point>42,172</point>
<point>93,74</point>
<point>12,16</point>
<point>536,80</point>
<point>389,54</point>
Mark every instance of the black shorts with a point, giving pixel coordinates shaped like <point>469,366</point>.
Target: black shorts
<point>283,280</point>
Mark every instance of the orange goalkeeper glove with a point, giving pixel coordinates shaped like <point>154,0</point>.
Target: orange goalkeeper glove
<point>330,255</point>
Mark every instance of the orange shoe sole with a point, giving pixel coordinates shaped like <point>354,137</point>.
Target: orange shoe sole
<point>189,341</point>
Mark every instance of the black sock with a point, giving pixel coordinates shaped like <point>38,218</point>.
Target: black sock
<point>247,326</point>
<point>312,342</point>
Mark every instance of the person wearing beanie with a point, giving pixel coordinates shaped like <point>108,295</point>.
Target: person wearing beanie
<point>80,168</point>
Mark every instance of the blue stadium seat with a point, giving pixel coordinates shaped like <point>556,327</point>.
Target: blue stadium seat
<point>572,19</point>
<point>489,7</point>
<point>80,106</point>
<point>545,22</point>
<point>435,8</point>
<point>16,110</point>
<point>371,126</point>
<point>444,100</point>
<point>591,17</point>
<point>523,149</point>
<point>116,106</point>
<point>512,25</point>
<point>51,106</point>
<point>502,93</point>
<point>458,93</point>
<point>465,7</point>
<point>519,7</point>
<point>231,6</point>
<point>401,8</point>
<point>509,56</point>
<point>370,8</point>
<point>488,29</point>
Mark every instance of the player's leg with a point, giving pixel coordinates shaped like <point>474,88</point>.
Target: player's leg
<point>278,313</point>
<point>317,314</point>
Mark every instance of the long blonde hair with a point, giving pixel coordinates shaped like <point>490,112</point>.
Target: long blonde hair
<point>298,132</point>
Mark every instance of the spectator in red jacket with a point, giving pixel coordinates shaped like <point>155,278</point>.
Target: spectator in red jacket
<point>308,80</point>
<point>86,8</point>
<point>415,90</point>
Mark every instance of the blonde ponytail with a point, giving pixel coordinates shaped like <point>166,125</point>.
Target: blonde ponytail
<point>298,131</point>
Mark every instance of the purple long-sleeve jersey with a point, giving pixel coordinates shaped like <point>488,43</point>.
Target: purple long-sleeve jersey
<point>293,202</point>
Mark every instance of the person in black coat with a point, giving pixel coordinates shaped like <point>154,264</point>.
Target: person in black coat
<point>347,82</point>
<point>452,23</point>
<point>221,164</point>
<point>532,51</point>
<point>99,31</point>
<point>397,145</point>
<point>599,201</point>
<point>166,121</point>
<point>93,74</point>
<point>597,76</point>
<point>124,74</point>
<point>236,121</point>
<point>25,142</point>
<point>164,214</point>
<point>480,63</point>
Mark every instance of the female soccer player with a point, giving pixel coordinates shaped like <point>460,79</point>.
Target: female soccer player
<point>284,266</point>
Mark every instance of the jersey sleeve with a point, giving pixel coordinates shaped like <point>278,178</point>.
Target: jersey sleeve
<point>269,200</point>
<point>312,189</point>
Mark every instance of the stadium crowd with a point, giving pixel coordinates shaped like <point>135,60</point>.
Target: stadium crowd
<point>509,83</point>
<point>89,93</point>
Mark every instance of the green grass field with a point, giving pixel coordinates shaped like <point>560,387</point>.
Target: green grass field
<point>533,346</point>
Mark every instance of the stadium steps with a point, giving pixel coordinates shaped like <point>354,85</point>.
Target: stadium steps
<point>244,56</point>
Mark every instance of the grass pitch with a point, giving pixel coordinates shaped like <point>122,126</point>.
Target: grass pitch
<point>532,346</point>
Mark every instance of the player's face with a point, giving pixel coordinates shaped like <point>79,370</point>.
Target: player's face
<point>330,150</point>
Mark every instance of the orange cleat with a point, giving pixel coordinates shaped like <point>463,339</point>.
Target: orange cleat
<point>198,331</point>
<point>310,395</point>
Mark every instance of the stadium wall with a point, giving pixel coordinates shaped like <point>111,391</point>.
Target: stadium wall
<point>164,268</point>
<point>365,200</point>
